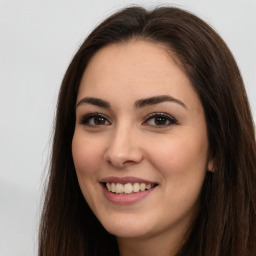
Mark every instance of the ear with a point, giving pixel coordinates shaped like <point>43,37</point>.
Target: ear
<point>210,165</point>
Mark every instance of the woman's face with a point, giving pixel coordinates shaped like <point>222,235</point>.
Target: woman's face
<point>140,145</point>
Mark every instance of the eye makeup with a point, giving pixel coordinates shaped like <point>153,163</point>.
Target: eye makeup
<point>160,120</point>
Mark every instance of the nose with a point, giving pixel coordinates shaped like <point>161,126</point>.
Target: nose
<point>124,148</point>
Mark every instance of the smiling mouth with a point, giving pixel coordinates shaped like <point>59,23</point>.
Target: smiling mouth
<point>127,188</point>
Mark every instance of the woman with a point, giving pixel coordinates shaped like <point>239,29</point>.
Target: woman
<point>154,147</point>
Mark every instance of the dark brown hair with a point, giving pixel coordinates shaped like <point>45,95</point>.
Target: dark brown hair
<point>226,222</point>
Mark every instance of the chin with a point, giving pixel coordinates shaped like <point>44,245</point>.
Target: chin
<point>128,233</point>
<point>127,228</point>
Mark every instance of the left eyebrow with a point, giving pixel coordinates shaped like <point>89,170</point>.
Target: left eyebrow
<point>94,101</point>
<point>156,100</point>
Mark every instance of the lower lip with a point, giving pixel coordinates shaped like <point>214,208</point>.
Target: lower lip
<point>126,199</point>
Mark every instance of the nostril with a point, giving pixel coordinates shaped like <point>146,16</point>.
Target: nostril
<point>128,162</point>
<point>120,163</point>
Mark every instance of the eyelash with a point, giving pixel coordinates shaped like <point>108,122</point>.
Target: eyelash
<point>168,118</point>
<point>85,120</point>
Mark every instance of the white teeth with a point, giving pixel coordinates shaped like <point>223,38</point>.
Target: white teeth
<point>136,187</point>
<point>119,188</point>
<point>148,186</point>
<point>142,186</point>
<point>113,187</point>
<point>127,188</point>
<point>108,186</point>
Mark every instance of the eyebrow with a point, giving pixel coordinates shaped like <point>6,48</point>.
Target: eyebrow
<point>138,104</point>
<point>94,101</point>
<point>156,100</point>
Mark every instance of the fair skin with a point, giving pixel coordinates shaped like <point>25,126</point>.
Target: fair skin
<point>139,120</point>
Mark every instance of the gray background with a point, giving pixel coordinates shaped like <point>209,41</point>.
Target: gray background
<point>37,41</point>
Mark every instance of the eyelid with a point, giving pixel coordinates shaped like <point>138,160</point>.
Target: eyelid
<point>169,118</point>
<point>88,116</point>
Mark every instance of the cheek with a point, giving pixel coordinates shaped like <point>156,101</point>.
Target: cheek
<point>181,156</point>
<point>86,155</point>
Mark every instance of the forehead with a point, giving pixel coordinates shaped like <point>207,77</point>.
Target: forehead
<point>134,69</point>
<point>133,56</point>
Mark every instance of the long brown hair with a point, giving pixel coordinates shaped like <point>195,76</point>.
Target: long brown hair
<point>226,222</point>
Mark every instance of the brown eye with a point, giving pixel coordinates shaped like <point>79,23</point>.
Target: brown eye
<point>160,120</point>
<point>98,120</point>
<point>94,120</point>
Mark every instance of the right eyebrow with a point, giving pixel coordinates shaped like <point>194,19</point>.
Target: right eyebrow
<point>93,101</point>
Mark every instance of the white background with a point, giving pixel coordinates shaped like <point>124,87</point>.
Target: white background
<point>37,41</point>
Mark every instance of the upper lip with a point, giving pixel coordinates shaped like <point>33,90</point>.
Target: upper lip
<point>124,180</point>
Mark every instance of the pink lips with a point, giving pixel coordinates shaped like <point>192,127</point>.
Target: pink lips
<point>125,199</point>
